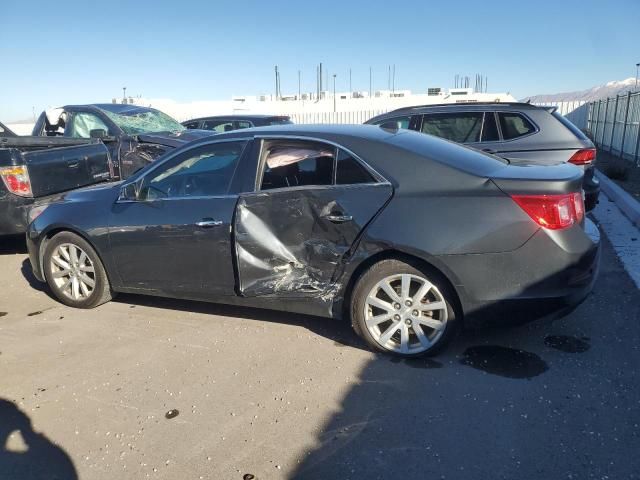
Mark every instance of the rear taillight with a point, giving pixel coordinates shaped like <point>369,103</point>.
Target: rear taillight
<point>16,179</point>
<point>583,157</point>
<point>553,211</point>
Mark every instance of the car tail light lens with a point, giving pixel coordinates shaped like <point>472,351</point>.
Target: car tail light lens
<point>583,157</point>
<point>16,179</point>
<point>554,212</point>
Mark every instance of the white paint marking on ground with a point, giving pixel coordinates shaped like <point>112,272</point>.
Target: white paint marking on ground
<point>620,232</point>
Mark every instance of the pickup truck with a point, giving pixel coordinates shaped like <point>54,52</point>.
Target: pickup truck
<point>76,146</point>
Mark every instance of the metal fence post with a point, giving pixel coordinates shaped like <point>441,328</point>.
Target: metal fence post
<point>604,123</point>
<point>613,125</point>
<point>637,159</point>
<point>624,126</point>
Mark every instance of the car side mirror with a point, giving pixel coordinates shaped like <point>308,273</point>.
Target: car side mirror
<point>99,133</point>
<point>128,193</point>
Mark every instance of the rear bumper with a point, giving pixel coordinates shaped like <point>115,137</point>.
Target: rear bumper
<point>552,268</point>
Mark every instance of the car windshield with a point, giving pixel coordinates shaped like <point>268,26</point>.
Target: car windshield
<point>137,121</point>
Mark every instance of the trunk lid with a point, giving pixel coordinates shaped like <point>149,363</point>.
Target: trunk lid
<point>538,180</point>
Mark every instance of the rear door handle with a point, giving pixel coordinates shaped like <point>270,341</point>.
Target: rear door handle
<point>208,223</point>
<point>73,163</point>
<point>339,218</point>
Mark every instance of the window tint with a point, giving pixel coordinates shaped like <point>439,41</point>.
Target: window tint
<point>203,171</point>
<point>243,124</point>
<point>295,164</point>
<point>191,125</point>
<point>395,122</point>
<point>350,171</point>
<point>490,128</point>
<point>279,121</point>
<point>82,124</point>
<point>457,127</point>
<point>219,126</point>
<point>514,125</point>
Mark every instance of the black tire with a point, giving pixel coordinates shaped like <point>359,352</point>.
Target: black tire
<point>101,290</point>
<point>390,268</point>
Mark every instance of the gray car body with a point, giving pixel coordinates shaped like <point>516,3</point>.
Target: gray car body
<point>554,141</point>
<point>434,203</point>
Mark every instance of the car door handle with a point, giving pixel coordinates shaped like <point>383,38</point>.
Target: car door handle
<point>208,223</point>
<point>338,218</point>
<point>73,163</point>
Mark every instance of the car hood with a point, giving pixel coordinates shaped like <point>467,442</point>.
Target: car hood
<point>174,139</point>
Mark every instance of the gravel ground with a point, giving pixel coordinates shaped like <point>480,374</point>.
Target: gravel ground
<point>153,388</point>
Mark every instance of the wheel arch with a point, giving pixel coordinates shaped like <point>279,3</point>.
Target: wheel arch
<point>418,262</point>
<point>47,235</point>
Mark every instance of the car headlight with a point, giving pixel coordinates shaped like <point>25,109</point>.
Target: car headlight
<point>35,212</point>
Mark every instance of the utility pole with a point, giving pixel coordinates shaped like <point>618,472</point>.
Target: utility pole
<point>334,92</point>
<point>124,94</point>
<point>393,82</point>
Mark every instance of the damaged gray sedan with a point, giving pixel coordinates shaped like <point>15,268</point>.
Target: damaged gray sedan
<point>401,233</point>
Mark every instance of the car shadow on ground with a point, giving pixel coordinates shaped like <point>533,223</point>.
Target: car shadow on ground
<point>26,454</point>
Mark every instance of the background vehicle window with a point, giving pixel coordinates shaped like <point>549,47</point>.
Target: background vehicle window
<point>295,164</point>
<point>203,171</point>
<point>82,123</point>
<point>350,171</point>
<point>191,125</point>
<point>395,122</point>
<point>514,125</point>
<point>243,124</point>
<point>490,128</point>
<point>219,126</point>
<point>457,127</point>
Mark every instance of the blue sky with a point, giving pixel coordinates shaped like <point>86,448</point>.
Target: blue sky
<point>68,52</point>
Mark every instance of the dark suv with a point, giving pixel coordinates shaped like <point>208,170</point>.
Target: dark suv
<point>227,123</point>
<point>520,132</point>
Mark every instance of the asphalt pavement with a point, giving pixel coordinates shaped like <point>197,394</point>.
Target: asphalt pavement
<point>145,387</point>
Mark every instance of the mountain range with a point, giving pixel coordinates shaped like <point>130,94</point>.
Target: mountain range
<point>610,89</point>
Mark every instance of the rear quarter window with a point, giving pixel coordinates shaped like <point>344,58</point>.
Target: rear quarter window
<point>514,125</point>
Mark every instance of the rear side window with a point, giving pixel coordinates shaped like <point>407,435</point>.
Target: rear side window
<point>395,122</point>
<point>351,171</point>
<point>191,125</point>
<point>514,125</point>
<point>490,128</point>
<point>219,126</point>
<point>296,164</point>
<point>458,127</point>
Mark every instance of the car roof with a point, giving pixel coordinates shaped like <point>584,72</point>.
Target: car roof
<point>112,107</point>
<point>466,106</point>
<point>236,117</point>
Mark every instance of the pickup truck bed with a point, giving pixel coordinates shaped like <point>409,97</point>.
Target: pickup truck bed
<point>33,168</point>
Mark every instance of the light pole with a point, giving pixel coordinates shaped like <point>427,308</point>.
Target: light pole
<point>334,92</point>
<point>637,67</point>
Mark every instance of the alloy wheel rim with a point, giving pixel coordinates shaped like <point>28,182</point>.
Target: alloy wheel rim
<point>405,313</point>
<point>72,271</point>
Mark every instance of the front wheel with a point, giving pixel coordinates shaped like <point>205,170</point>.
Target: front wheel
<point>399,309</point>
<point>74,272</point>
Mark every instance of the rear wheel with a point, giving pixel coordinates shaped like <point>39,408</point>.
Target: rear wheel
<point>399,309</point>
<point>74,272</point>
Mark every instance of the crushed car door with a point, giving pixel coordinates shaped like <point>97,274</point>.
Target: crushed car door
<point>292,233</point>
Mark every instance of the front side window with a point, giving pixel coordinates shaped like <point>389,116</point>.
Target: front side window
<point>201,172</point>
<point>458,127</point>
<point>514,125</point>
<point>219,126</point>
<point>82,123</point>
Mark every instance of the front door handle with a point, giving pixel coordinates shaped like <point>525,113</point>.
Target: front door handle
<point>208,223</point>
<point>338,218</point>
